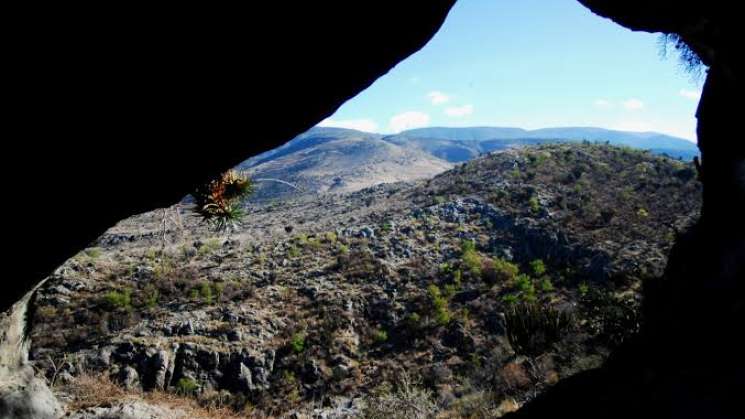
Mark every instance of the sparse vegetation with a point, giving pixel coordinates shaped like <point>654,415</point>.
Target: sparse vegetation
<point>119,299</point>
<point>470,258</point>
<point>537,267</point>
<point>186,386</point>
<point>404,401</point>
<point>380,336</point>
<point>297,343</point>
<point>439,303</point>
<point>463,283</point>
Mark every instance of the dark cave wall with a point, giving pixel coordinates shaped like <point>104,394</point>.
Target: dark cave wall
<point>711,30</point>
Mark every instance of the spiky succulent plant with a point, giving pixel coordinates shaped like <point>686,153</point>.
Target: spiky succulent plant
<point>218,201</point>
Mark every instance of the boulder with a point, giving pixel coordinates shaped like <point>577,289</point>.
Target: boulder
<point>24,396</point>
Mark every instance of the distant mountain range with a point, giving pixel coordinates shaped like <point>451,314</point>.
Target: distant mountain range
<point>460,144</point>
<point>344,160</point>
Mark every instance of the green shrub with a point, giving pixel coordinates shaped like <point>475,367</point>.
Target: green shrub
<point>301,239</point>
<point>538,267</point>
<point>525,286</point>
<point>386,227</point>
<point>205,291</point>
<point>297,343</point>
<point>380,336</point>
<point>93,252</point>
<point>439,305</point>
<point>546,285</point>
<point>208,247</point>
<point>583,289</point>
<point>119,299</point>
<point>219,288</point>
<point>288,378</point>
<point>449,291</point>
<point>331,237</point>
<point>445,268</point>
<point>498,270</point>
<point>535,206</point>
<point>186,386</point>
<point>468,246</point>
<point>510,299</point>
<point>314,244</point>
<point>194,294</point>
<point>523,283</point>
<point>470,258</point>
<point>293,251</point>
<point>457,275</point>
<point>151,253</point>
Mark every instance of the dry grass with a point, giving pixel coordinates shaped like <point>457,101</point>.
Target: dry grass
<point>89,390</point>
<point>94,391</point>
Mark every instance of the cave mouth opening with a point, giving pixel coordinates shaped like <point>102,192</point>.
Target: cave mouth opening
<point>313,292</point>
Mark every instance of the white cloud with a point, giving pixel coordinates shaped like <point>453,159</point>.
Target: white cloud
<point>602,104</point>
<point>437,97</point>
<point>633,104</point>
<point>408,120</point>
<point>691,94</point>
<point>363,124</point>
<point>459,111</point>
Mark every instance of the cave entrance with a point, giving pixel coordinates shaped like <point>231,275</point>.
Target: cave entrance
<point>472,228</point>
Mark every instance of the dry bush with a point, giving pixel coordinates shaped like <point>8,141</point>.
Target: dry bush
<point>88,390</point>
<point>407,401</point>
<point>97,390</point>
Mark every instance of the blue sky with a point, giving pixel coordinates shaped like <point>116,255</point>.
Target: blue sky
<point>530,64</point>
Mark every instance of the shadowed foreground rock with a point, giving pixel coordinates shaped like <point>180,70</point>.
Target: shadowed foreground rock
<point>22,395</point>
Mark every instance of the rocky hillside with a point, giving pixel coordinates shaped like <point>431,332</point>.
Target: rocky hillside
<point>338,160</point>
<point>341,160</point>
<point>463,295</point>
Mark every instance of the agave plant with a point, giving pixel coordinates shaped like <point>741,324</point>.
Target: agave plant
<point>532,328</point>
<point>218,201</point>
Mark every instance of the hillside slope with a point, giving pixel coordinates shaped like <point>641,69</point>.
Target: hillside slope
<point>336,160</point>
<point>481,286</point>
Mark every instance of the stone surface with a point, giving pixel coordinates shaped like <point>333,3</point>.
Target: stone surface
<point>24,396</point>
<point>129,410</point>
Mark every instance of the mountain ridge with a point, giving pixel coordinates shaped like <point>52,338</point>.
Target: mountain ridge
<point>329,159</point>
